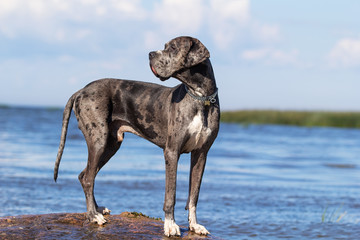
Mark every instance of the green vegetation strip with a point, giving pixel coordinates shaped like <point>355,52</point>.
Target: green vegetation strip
<point>297,118</point>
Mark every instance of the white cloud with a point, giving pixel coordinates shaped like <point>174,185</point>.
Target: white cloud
<point>346,53</point>
<point>271,56</point>
<point>233,10</point>
<point>227,20</point>
<point>175,16</point>
<point>265,32</point>
<point>58,20</point>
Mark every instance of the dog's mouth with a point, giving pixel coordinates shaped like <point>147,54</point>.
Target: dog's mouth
<point>154,71</point>
<point>156,74</point>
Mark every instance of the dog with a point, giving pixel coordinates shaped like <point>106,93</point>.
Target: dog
<point>181,119</point>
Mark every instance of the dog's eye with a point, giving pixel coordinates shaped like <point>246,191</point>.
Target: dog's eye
<point>172,47</point>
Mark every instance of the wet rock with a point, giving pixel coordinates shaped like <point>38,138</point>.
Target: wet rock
<point>75,226</point>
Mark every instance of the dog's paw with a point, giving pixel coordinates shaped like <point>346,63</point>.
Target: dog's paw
<point>171,228</point>
<point>99,219</point>
<point>199,229</point>
<point>103,210</point>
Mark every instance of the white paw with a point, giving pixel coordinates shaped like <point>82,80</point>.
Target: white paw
<point>199,229</point>
<point>103,210</point>
<point>171,228</point>
<point>99,219</point>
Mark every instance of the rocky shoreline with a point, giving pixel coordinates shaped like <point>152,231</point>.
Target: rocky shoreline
<point>75,226</point>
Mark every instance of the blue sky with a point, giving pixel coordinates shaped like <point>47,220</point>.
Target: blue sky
<point>278,54</point>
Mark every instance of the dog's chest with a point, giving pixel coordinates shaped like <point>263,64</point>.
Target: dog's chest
<point>198,133</point>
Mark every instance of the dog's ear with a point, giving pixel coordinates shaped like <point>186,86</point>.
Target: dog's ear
<point>197,53</point>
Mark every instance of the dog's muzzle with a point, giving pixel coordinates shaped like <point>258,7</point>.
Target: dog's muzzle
<point>152,55</point>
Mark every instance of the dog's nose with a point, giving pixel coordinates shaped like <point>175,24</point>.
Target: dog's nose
<point>152,55</point>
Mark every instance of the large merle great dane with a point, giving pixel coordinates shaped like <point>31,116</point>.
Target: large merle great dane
<point>181,119</point>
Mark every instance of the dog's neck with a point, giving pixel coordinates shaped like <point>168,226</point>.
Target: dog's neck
<point>199,81</point>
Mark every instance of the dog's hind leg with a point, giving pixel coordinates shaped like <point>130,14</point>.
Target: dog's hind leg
<point>102,145</point>
<point>99,155</point>
<point>198,160</point>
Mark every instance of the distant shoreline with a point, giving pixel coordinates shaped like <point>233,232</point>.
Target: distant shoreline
<point>288,117</point>
<point>295,118</point>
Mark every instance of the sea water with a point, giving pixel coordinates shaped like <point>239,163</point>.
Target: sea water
<point>260,181</point>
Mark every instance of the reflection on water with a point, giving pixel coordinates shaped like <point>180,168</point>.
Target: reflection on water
<point>260,182</point>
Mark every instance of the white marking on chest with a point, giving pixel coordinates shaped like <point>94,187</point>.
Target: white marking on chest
<point>198,133</point>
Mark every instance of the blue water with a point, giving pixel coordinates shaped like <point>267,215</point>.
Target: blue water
<point>260,182</point>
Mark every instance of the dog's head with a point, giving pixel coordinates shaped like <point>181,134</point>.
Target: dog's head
<point>178,54</point>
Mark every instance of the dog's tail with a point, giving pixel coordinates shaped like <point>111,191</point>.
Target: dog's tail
<point>65,123</point>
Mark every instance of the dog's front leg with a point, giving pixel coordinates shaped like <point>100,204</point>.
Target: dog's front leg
<point>171,162</point>
<point>198,160</point>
